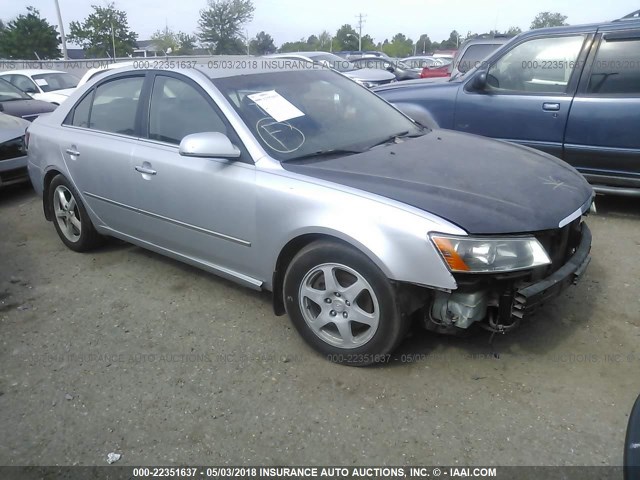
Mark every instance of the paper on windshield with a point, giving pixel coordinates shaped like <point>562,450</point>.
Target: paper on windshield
<point>41,82</point>
<point>276,106</point>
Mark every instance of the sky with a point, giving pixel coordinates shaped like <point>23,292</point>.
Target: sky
<point>290,20</point>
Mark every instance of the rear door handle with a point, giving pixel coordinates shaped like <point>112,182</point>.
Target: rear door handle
<point>551,107</point>
<point>73,152</point>
<point>145,170</point>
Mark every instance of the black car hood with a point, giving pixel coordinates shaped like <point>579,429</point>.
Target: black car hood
<point>26,108</point>
<point>484,186</point>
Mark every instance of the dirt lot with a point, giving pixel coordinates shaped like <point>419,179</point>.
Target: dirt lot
<point>122,350</point>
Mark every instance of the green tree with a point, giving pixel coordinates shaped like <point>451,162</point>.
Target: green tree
<point>346,38</point>
<point>548,19</point>
<point>424,44</point>
<point>291,47</point>
<point>452,42</point>
<point>103,29</point>
<point>400,46</point>
<point>513,31</point>
<point>221,25</point>
<point>186,43</point>
<point>28,37</point>
<point>173,43</point>
<point>262,44</point>
<point>368,43</point>
<point>324,40</point>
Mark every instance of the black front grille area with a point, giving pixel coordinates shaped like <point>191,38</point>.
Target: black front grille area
<point>13,149</point>
<point>560,243</point>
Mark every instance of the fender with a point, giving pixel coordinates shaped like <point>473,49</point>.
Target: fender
<point>418,113</point>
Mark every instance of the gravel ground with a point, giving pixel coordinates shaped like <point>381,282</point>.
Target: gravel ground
<point>123,350</point>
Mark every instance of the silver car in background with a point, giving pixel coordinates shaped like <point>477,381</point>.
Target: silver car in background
<point>303,183</point>
<point>369,77</point>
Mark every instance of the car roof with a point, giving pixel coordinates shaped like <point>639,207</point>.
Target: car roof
<point>620,24</point>
<point>29,71</point>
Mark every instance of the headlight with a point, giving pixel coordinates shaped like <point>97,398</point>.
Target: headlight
<point>484,255</point>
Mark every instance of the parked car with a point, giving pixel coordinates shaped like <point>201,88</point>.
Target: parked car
<point>437,71</point>
<point>632,443</point>
<point>13,154</point>
<point>398,68</point>
<point>572,91</point>
<point>420,61</point>
<point>355,54</point>
<point>14,101</point>
<point>368,77</point>
<point>51,86</point>
<point>300,182</point>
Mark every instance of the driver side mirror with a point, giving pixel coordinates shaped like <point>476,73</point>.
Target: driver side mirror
<point>479,81</point>
<point>209,145</point>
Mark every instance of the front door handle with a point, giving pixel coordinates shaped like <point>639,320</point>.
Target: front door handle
<point>551,107</point>
<point>145,170</point>
<point>72,152</point>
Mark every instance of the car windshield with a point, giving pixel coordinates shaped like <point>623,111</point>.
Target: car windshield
<point>334,61</point>
<point>296,114</point>
<point>9,92</point>
<point>50,82</point>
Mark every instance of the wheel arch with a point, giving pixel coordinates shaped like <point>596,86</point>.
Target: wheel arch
<point>46,182</point>
<point>293,246</point>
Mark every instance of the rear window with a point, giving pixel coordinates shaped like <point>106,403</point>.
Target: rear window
<point>616,69</point>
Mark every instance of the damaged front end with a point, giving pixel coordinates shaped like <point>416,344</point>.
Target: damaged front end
<point>504,280</point>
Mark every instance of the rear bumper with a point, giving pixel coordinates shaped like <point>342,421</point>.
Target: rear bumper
<point>527,299</point>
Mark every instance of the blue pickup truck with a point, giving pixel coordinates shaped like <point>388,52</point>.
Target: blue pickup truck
<point>573,92</point>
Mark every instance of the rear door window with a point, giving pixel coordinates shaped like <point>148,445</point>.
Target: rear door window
<point>616,69</point>
<point>115,104</point>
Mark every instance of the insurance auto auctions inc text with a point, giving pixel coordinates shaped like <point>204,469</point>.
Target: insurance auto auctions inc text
<point>376,472</point>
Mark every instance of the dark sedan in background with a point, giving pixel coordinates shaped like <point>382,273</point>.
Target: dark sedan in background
<point>15,102</point>
<point>13,153</point>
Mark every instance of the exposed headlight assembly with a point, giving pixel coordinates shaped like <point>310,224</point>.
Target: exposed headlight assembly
<point>487,255</point>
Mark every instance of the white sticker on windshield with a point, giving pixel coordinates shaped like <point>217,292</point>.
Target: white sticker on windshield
<point>41,82</point>
<point>276,106</point>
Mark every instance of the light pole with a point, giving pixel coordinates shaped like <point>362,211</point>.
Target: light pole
<point>113,41</point>
<point>62,37</point>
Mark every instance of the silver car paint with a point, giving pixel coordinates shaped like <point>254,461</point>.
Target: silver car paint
<point>234,219</point>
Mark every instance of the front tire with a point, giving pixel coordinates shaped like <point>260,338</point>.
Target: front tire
<point>70,218</point>
<point>342,304</point>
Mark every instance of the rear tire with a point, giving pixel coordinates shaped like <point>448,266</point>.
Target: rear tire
<point>70,218</point>
<point>342,304</point>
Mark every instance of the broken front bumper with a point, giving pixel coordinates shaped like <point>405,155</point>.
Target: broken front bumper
<point>527,299</point>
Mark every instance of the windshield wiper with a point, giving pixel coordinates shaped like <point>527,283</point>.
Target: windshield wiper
<point>396,136</point>
<point>338,152</point>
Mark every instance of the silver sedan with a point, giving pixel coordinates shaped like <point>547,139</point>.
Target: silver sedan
<point>301,182</point>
